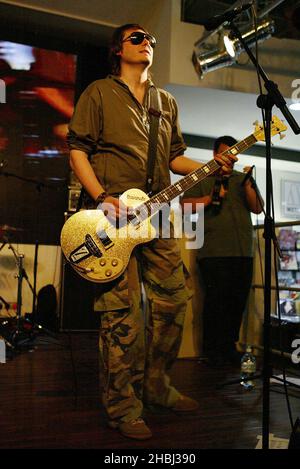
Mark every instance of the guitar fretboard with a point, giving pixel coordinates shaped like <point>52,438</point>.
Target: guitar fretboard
<point>166,195</point>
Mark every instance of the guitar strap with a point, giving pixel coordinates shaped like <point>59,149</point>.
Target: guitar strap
<point>80,200</point>
<point>84,199</point>
<point>154,117</point>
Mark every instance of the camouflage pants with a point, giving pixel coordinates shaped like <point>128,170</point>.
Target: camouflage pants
<point>139,343</point>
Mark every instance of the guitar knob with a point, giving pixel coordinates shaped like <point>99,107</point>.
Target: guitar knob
<point>102,262</point>
<point>114,262</point>
<point>108,273</point>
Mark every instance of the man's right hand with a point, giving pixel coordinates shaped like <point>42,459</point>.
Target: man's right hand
<point>113,208</point>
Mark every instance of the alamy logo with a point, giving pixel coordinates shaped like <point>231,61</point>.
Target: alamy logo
<point>2,351</point>
<point>2,91</point>
<point>296,353</point>
<point>296,93</point>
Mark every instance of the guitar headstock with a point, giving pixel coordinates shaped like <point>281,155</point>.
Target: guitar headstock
<point>277,127</point>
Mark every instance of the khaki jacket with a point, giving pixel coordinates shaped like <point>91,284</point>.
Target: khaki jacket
<point>112,127</point>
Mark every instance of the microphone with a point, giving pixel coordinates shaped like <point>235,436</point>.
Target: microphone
<point>248,175</point>
<point>216,200</point>
<point>225,182</point>
<point>216,21</point>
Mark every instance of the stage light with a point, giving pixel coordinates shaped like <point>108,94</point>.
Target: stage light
<point>264,32</point>
<point>207,58</point>
<point>211,61</point>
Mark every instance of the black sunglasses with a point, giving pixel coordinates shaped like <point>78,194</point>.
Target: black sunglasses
<point>138,37</point>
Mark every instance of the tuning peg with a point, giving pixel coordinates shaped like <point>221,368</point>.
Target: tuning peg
<point>281,136</point>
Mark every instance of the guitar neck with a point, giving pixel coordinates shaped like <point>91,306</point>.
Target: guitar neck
<point>171,192</point>
<point>185,183</point>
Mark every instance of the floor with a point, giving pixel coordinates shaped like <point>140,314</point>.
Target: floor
<point>50,399</point>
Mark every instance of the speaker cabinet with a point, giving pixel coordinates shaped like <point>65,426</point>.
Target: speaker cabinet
<point>77,301</point>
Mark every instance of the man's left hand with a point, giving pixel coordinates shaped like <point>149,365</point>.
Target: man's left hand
<point>226,163</point>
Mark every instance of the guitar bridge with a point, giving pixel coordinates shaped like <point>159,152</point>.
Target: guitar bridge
<point>92,246</point>
<point>85,250</point>
<point>105,239</point>
<point>133,219</point>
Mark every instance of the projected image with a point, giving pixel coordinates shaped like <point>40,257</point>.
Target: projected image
<point>39,92</point>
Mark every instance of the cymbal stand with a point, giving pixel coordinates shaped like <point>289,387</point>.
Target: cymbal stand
<point>20,275</point>
<point>19,261</point>
<point>19,295</point>
<point>12,340</point>
<point>35,327</point>
<point>6,304</point>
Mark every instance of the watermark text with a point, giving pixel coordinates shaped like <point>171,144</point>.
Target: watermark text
<point>296,93</point>
<point>2,91</point>
<point>296,353</point>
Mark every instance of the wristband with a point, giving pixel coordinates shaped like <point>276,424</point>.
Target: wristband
<point>100,199</point>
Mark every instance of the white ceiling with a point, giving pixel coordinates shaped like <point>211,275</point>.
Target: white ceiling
<point>109,12</point>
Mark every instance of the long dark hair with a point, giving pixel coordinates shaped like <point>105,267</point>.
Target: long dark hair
<point>116,46</point>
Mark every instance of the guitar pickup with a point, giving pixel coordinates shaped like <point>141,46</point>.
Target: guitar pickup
<point>105,239</point>
<point>92,246</point>
<point>85,250</point>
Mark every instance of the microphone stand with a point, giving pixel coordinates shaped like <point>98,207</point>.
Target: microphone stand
<point>266,102</point>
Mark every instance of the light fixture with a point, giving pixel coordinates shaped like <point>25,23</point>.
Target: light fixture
<point>207,59</point>
<point>235,48</point>
<point>211,61</point>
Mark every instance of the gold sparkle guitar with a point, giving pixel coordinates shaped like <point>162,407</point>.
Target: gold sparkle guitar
<point>99,251</point>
